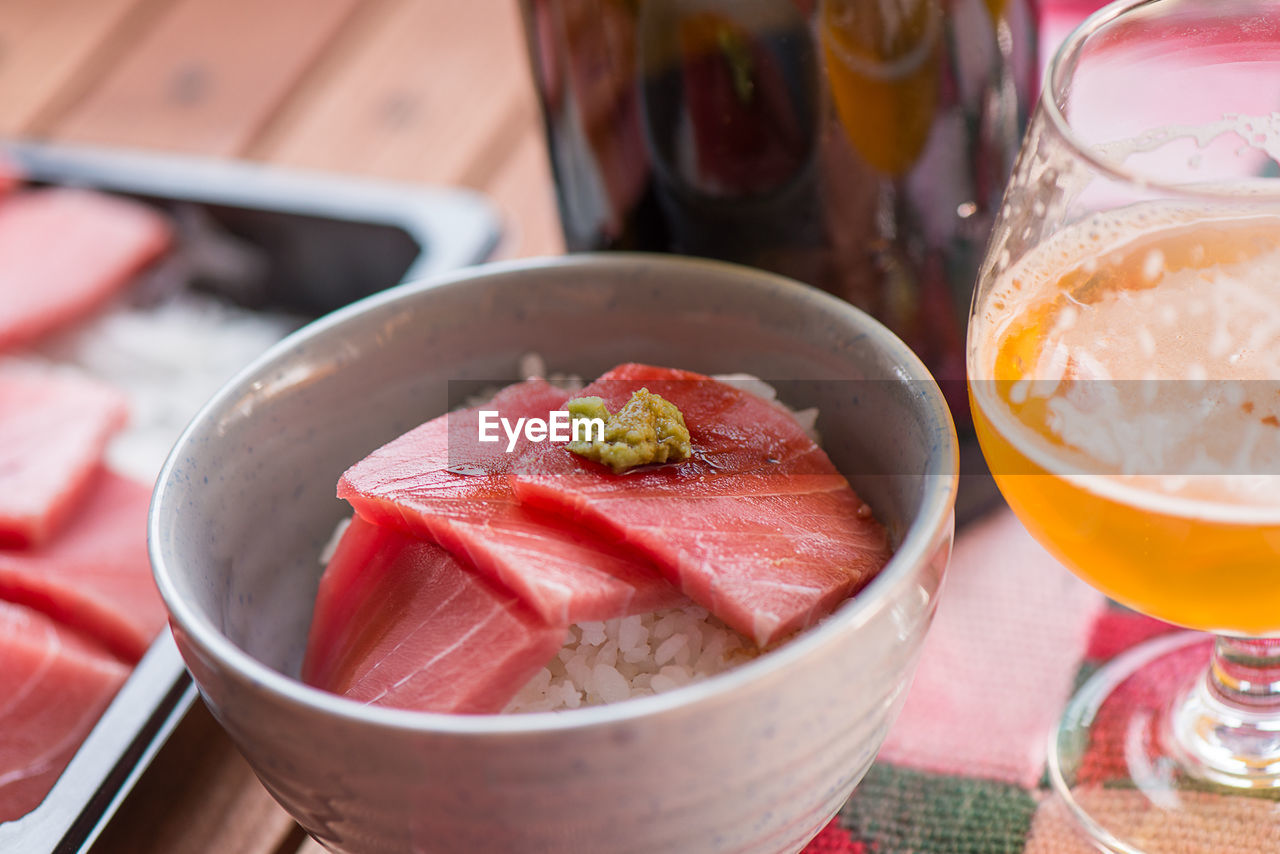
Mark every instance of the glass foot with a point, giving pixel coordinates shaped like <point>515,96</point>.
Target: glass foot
<point>1152,756</point>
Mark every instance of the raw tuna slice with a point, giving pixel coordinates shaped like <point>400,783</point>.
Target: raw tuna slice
<point>53,426</point>
<point>399,622</point>
<point>439,482</point>
<point>758,527</point>
<point>54,683</point>
<point>64,251</point>
<point>95,576</point>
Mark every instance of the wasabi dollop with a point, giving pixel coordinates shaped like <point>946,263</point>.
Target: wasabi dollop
<point>647,429</point>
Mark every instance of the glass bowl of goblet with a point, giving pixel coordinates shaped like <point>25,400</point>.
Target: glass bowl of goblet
<point>1124,373</point>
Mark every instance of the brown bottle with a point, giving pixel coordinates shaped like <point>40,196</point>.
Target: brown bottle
<point>858,145</point>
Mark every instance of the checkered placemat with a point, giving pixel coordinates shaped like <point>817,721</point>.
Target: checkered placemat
<point>962,772</point>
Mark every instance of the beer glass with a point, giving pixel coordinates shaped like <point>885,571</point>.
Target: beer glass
<point>1124,373</point>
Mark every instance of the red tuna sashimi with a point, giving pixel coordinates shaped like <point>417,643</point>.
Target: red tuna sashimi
<point>54,683</point>
<point>64,251</point>
<point>439,482</point>
<point>399,622</point>
<point>758,526</point>
<point>53,426</point>
<point>95,575</point>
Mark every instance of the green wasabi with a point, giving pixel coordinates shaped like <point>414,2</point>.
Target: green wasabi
<point>647,429</point>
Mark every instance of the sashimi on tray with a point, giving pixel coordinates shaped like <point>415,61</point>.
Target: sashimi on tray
<point>95,576</point>
<point>78,608</point>
<point>64,252</point>
<point>54,682</point>
<point>54,425</point>
<point>77,604</point>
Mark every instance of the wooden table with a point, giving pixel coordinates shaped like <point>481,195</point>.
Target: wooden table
<point>415,90</point>
<point>433,91</point>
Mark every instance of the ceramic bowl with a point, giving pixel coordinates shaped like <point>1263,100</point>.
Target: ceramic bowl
<point>754,760</point>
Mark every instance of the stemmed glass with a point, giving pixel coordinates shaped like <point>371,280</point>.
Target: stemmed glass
<point>1124,364</point>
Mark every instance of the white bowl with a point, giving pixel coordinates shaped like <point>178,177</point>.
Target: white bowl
<point>754,760</point>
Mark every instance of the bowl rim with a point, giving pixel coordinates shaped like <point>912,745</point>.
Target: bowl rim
<point>919,543</point>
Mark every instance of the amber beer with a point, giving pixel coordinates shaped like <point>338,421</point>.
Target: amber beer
<point>1132,418</point>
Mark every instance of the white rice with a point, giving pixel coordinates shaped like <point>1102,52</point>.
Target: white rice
<point>633,657</point>
<point>533,367</point>
<point>750,383</point>
<point>168,359</point>
<point>331,547</point>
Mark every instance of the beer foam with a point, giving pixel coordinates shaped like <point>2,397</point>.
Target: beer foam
<point>1030,279</point>
<point>1256,133</point>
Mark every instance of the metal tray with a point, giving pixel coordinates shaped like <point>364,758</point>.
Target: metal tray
<point>326,241</point>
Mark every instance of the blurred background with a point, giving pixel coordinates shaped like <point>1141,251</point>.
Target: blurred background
<point>425,91</point>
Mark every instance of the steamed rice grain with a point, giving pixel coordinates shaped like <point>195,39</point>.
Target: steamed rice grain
<point>634,656</point>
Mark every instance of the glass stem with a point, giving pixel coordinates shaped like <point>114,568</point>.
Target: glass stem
<point>1226,727</point>
<point>1246,673</point>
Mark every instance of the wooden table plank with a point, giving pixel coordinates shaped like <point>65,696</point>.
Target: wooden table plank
<point>381,105</point>
<point>49,47</point>
<point>207,76</point>
<point>199,796</point>
<point>522,189</point>
<point>434,91</point>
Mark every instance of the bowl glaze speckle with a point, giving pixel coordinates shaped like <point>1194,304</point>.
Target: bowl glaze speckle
<point>754,760</point>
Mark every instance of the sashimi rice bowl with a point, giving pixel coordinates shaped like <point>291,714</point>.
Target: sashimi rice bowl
<point>602,553</point>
